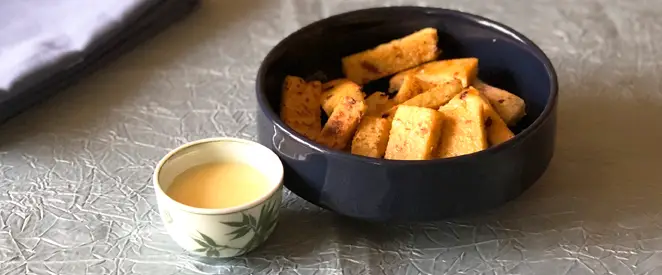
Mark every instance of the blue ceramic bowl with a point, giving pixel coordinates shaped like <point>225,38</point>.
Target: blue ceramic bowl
<point>390,190</point>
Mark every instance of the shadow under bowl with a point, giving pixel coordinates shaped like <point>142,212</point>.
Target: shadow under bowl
<point>389,190</point>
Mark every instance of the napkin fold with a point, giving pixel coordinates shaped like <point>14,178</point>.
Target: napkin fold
<point>45,46</point>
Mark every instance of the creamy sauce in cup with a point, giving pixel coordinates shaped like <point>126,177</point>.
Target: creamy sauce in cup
<point>219,185</point>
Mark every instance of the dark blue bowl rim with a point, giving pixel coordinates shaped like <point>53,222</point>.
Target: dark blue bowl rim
<point>269,112</point>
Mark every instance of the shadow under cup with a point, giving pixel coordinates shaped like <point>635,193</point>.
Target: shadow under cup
<point>224,232</point>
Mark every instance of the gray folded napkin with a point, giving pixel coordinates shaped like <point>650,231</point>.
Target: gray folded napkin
<point>46,45</point>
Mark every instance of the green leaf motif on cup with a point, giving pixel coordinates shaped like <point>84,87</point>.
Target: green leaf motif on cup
<point>209,246</point>
<point>261,227</point>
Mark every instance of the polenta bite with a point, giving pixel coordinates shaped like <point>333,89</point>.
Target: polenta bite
<point>433,108</point>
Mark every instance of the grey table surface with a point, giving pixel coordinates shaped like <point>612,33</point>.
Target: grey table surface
<point>76,196</point>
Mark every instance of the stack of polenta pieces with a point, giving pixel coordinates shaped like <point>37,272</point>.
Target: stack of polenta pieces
<point>439,108</point>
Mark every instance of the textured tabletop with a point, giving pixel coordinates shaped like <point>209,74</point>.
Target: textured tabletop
<point>76,195</point>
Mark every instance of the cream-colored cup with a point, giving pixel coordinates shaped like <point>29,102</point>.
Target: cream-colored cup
<point>226,232</point>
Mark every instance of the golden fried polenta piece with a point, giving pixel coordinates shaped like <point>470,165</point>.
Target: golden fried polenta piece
<point>433,98</point>
<point>392,57</point>
<point>339,129</point>
<point>371,137</point>
<point>464,126</point>
<point>415,133</point>
<point>332,83</point>
<point>396,81</point>
<point>510,107</point>
<point>464,69</point>
<point>377,103</point>
<point>411,87</point>
<point>299,107</point>
<point>335,91</point>
<point>497,130</point>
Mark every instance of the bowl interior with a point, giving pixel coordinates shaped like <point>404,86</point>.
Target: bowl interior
<point>506,60</point>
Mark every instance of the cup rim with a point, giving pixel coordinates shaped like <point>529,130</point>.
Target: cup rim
<point>216,211</point>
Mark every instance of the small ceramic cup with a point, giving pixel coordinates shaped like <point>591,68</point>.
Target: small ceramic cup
<point>226,232</point>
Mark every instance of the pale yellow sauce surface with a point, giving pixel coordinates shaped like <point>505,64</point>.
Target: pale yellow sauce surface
<point>218,185</point>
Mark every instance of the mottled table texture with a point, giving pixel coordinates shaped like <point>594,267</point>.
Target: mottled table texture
<point>76,197</point>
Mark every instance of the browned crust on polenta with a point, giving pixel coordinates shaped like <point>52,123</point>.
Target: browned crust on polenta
<point>464,126</point>
<point>464,69</point>
<point>497,130</point>
<point>415,133</point>
<point>300,106</point>
<point>392,57</point>
<point>334,91</point>
<point>376,103</point>
<point>339,129</point>
<point>411,87</point>
<point>371,137</point>
<point>433,98</point>
<point>510,107</point>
